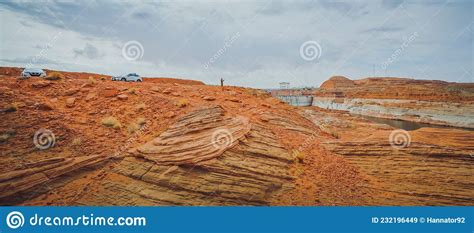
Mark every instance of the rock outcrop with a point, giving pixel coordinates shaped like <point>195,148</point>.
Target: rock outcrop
<point>430,166</point>
<point>188,164</point>
<point>31,175</point>
<point>425,101</point>
<point>397,88</point>
<point>199,136</point>
<point>337,82</point>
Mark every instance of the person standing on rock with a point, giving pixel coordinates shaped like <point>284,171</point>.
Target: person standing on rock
<point>222,82</point>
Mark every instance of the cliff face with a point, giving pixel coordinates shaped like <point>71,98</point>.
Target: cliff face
<point>427,166</point>
<point>397,88</point>
<point>433,102</point>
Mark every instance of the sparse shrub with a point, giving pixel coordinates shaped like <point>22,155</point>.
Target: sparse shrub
<point>92,80</point>
<point>298,156</point>
<point>4,137</point>
<point>102,78</point>
<point>54,76</point>
<point>182,103</point>
<point>76,142</point>
<point>335,134</point>
<point>133,127</point>
<point>138,124</point>
<point>132,91</point>
<point>111,122</point>
<point>329,131</point>
<point>11,107</point>
<point>141,121</point>
<point>140,107</point>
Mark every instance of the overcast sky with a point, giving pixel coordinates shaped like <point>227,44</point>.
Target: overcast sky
<point>248,43</point>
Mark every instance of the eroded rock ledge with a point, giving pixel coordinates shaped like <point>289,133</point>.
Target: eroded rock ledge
<point>199,136</point>
<point>183,166</point>
<point>32,175</point>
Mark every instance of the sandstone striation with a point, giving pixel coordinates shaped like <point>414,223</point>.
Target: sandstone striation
<point>177,142</point>
<point>397,88</point>
<point>432,166</point>
<point>425,101</point>
<point>31,175</point>
<point>199,136</point>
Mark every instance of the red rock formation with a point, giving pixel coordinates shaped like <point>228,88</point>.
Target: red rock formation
<point>199,136</point>
<point>428,166</point>
<point>42,172</point>
<point>337,82</point>
<point>397,88</point>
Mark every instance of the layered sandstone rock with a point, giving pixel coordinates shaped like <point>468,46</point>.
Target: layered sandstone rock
<point>426,101</point>
<point>397,88</point>
<point>437,113</point>
<point>199,136</point>
<point>429,166</point>
<point>31,175</point>
<point>189,165</point>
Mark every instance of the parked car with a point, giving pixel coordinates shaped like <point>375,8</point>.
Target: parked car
<point>129,77</point>
<point>30,72</point>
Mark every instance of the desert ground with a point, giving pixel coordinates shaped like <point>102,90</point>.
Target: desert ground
<point>82,139</point>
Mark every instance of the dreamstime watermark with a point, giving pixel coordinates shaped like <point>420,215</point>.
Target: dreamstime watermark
<point>43,51</point>
<point>132,50</point>
<point>399,139</point>
<point>310,50</point>
<point>397,52</point>
<point>15,220</point>
<point>222,138</point>
<point>44,139</point>
<point>228,43</point>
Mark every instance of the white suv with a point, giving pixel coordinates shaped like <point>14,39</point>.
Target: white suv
<point>129,77</point>
<point>29,72</point>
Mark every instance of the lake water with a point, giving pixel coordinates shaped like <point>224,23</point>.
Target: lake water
<point>407,125</point>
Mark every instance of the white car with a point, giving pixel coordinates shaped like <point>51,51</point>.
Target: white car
<point>129,77</point>
<point>30,72</point>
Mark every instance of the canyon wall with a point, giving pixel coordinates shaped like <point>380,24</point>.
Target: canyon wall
<point>432,102</point>
<point>438,113</point>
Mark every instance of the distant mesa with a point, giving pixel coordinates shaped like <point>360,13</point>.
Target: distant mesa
<point>336,82</point>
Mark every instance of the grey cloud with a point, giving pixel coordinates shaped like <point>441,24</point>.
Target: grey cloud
<point>383,29</point>
<point>141,15</point>
<point>89,51</point>
<point>180,36</point>
<point>391,3</point>
<point>26,23</point>
<point>30,60</point>
<point>343,7</point>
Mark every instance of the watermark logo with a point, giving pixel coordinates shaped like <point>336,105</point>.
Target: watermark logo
<point>222,138</point>
<point>399,139</point>
<point>132,50</point>
<point>394,56</point>
<point>310,50</point>
<point>227,45</point>
<point>15,220</point>
<point>44,51</point>
<point>44,139</point>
